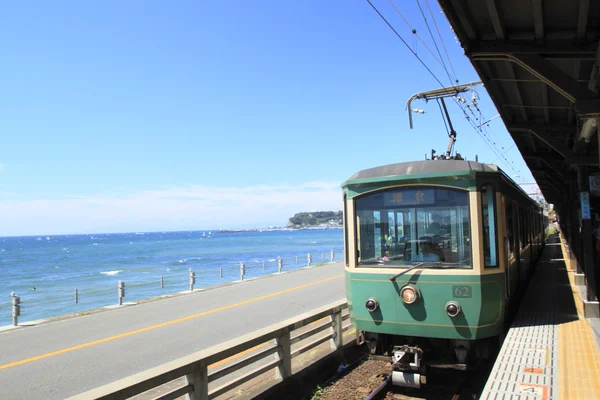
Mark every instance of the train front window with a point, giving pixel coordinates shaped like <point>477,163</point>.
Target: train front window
<point>402,227</point>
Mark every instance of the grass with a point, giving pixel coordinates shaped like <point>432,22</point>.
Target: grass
<point>318,392</point>
<point>550,230</point>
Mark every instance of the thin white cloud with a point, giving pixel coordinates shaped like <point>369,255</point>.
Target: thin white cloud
<point>1,167</point>
<point>190,207</point>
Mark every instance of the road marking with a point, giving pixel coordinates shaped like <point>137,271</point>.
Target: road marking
<point>175,321</point>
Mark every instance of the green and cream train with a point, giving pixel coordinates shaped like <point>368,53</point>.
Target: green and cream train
<point>436,253</point>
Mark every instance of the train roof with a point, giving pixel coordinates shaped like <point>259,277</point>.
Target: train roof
<point>425,167</point>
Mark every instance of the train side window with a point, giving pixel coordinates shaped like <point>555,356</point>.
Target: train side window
<point>490,254</point>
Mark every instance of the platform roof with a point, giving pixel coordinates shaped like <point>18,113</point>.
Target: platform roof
<point>539,62</point>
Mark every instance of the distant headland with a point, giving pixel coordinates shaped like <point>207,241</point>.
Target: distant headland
<point>316,220</point>
<point>304,220</point>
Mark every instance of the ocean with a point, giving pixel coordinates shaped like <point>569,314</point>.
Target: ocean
<point>47,271</point>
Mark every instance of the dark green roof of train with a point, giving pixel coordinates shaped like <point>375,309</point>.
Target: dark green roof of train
<point>423,168</point>
<point>431,169</point>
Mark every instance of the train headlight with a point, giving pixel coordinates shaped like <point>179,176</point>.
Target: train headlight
<point>410,294</point>
<point>453,309</point>
<point>372,304</point>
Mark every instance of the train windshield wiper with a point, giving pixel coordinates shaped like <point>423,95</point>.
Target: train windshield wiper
<point>405,271</point>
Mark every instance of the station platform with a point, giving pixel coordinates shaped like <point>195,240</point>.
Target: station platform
<point>551,350</point>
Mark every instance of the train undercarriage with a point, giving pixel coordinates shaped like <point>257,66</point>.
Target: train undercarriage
<point>413,358</point>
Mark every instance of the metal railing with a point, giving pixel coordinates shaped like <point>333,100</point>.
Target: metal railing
<point>270,348</point>
<point>34,305</point>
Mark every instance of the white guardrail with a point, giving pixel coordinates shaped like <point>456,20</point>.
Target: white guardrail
<point>270,348</point>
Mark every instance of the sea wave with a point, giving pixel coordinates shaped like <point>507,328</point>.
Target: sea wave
<point>146,259</point>
<point>111,273</point>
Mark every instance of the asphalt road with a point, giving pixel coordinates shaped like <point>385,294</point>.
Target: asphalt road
<point>58,359</point>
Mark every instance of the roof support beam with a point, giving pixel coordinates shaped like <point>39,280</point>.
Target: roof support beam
<point>527,80</point>
<point>532,142</point>
<point>548,157</point>
<point>543,179</point>
<point>552,161</point>
<point>554,77</point>
<point>495,90</point>
<point>538,18</point>
<point>517,92</point>
<point>570,113</point>
<point>545,136</point>
<point>552,166</point>
<point>465,19</point>
<point>551,196</point>
<point>544,183</point>
<point>584,9</point>
<point>566,129</point>
<point>582,160</point>
<point>594,84</point>
<point>493,11</point>
<point>544,89</point>
<point>550,48</point>
<point>548,188</point>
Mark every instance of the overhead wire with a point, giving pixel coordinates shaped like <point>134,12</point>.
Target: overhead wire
<point>511,163</point>
<point>495,151</point>
<point>435,43</point>
<point>486,135</point>
<point>442,40</point>
<point>406,44</point>
<point>478,117</point>
<point>509,149</point>
<point>414,31</point>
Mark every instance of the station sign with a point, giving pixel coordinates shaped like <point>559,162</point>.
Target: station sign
<point>584,199</point>
<point>595,185</point>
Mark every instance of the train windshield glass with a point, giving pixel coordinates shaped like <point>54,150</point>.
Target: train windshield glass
<point>402,227</point>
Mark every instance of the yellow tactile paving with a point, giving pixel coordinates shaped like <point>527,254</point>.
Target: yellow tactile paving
<point>578,356</point>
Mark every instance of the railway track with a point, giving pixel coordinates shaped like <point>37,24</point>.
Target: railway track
<point>386,391</point>
<point>371,380</point>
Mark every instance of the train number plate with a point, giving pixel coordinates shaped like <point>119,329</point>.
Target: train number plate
<point>461,291</point>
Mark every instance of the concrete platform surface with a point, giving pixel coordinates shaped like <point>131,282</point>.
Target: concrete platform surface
<point>551,351</point>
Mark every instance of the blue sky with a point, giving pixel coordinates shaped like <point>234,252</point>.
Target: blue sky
<point>151,115</point>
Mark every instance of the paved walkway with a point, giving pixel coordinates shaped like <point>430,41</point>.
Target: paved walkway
<point>550,351</point>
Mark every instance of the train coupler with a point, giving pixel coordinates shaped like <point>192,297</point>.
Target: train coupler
<point>406,366</point>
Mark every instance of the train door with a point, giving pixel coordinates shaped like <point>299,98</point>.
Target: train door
<point>516,241</point>
<point>512,265</point>
<point>507,272</point>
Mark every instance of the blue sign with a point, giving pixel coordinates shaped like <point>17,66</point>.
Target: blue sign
<point>584,199</point>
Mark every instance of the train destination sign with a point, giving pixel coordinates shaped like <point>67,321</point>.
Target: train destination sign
<point>409,197</point>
